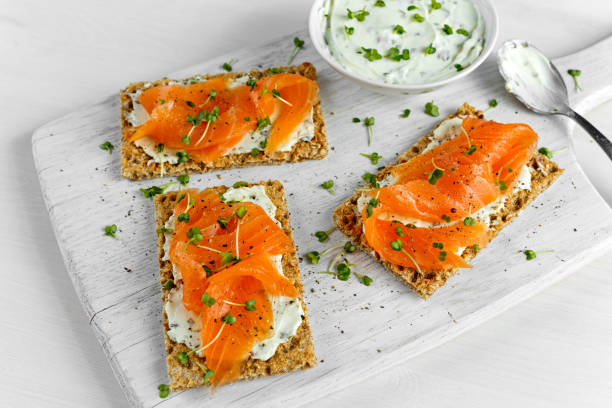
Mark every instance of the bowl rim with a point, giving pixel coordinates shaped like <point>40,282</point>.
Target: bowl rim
<point>314,23</point>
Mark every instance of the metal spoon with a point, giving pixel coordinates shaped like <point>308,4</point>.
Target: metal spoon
<point>537,83</point>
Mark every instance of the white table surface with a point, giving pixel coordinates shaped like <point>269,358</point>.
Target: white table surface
<point>552,350</point>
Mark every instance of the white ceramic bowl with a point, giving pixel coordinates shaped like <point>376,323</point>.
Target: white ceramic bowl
<point>317,33</point>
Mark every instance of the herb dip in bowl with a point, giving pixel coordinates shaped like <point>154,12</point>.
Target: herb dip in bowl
<point>403,46</point>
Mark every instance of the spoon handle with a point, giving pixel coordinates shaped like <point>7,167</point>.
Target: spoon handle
<point>601,140</point>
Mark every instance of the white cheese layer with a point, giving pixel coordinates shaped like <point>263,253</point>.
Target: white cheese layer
<point>287,312</point>
<point>184,324</point>
<point>253,140</point>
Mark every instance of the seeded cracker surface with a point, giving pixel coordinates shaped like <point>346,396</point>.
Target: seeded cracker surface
<point>297,353</point>
<point>348,220</point>
<point>137,165</point>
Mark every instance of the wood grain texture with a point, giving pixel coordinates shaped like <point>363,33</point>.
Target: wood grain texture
<point>124,307</point>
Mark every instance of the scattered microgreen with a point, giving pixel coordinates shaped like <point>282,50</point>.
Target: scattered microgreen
<point>227,257</point>
<point>168,284</point>
<point>228,65</point>
<point>445,218</point>
<point>374,157</point>
<point>435,174</point>
<point>111,231</point>
<point>368,123</point>
<point>349,31</point>
<point>373,203</point>
<point>349,247</point>
<point>108,146</point>
<point>228,318</point>
<point>183,358</point>
<point>183,179</point>
<point>358,15</point>
<point>531,254</point>
<point>459,67</point>
<point>314,256</point>
<point>255,152</point>
<point>431,109</point>
<point>356,120</point>
<point>298,45</point>
<point>448,30</point>
<point>208,300</point>
<point>492,104</point>
<point>364,279</point>
<point>371,54</point>
<point>207,270</point>
<point>418,18</point>
<point>241,212</point>
<point>394,54</point>
<point>209,117</point>
<point>370,179</point>
<point>239,184</point>
<point>164,230</point>
<point>398,29</point>
<point>438,245</point>
<point>442,256</point>
<point>208,374</point>
<point>463,31</point>
<point>182,157</point>
<point>154,190</point>
<point>405,113</point>
<point>476,247</point>
<point>262,123</point>
<point>430,49</point>
<point>413,7</point>
<point>276,94</point>
<point>435,5</point>
<point>274,71</point>
<point>469,221</point>
<point>164,390</point>
<point>379,3</point>
<point>322,236</point>
<point>252,83</point>
<point>328,185</point>
<point>195,236</point>
<point>575,73</point>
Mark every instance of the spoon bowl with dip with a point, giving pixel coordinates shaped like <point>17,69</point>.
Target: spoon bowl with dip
<point>536,82</point>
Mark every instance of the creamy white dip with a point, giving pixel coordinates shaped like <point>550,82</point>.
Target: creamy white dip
<point>395,28</point>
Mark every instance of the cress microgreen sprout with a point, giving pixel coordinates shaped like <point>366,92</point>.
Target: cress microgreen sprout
<point>550,153</point>
<point>356,120</point>
<point>154,190</point>
<point>418,18</point>
<point>463,31</point>
<point>469,221</point>
<point>435,174</point>
<point>431,109</point>
<point>405,113</point>
<point>349,247</point>
<point>373,203</point>
<point>314,256</point>
<point>368,123</point>
<point>446,218</point>
<point>374,157</point>
<point>228,65</point>
<point>575,73</point>
<point>371,54</point>
<point>394,54</point>
<point>164,390</point>
<point>299,44</point>
<point>398,29</point>
<point>430,49</point>
<point>364,279</point>
<point>328,185</point>
<point>448,30</point>
<point>435,5</point>
<point>228,318</point>
<point>241,212</point>
<point>208,300</point>
<point>459,67</point>
<point>168,284</point>
<point>108,146</point>
<point>227,257</point>
<point>322,236</point>
<point>182,157</point>
<point>239,184</point>
<point>370,178</point>
<point>358,15</point>
<point>195,236</point>
<point>531,254</point>
<point>183,358</point>
<point>183,179</point>
<point>379,3</point>
<point>349,31</point>
<point>111,231</point>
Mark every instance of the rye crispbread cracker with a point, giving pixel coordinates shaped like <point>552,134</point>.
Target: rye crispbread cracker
<point>137,165</point>
<point>348,220</point>
<point>297,353</point>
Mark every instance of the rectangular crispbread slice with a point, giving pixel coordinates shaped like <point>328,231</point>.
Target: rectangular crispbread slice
<point>348,220</point>
<point>297,353</point>
<point>137,165</point>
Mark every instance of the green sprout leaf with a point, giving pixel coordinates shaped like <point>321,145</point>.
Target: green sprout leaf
<point>431,109</point>
<point>108,146</point>
<point>328,185</point>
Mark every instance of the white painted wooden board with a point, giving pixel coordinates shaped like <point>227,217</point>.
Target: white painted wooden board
<point>351,323</point>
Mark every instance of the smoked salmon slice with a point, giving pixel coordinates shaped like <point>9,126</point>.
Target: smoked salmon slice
<point>441,189</point>
<point>224,252</point>
<point>207,119</point>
